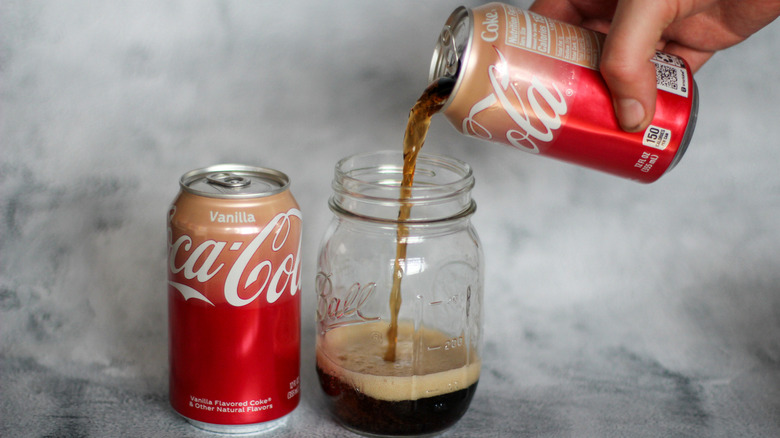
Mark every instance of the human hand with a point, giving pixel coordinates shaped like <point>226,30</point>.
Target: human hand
<point>691,29</point>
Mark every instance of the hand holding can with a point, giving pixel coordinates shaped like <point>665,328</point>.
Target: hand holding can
<point>533,83</point>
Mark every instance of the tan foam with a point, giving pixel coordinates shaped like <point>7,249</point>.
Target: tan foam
<point>354,354</point>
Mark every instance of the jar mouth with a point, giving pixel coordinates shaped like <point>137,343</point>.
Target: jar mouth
<point>368,185</point>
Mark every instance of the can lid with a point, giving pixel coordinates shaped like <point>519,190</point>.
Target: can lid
<point>452,48</point>
<point>234,181</point>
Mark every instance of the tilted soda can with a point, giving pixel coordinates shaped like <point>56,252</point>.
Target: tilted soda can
<point>234,307</point>
<point>533,83</point>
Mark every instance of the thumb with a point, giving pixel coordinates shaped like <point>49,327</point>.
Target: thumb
<point>625,64</point>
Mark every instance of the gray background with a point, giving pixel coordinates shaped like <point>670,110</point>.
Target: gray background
<point>612,308</point>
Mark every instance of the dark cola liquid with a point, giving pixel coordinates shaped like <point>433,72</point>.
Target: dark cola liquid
<point>415,395</point>
<point>365,414</point>
<point>431,102</point>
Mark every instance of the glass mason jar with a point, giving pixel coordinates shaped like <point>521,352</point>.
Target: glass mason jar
<point>429,384</point>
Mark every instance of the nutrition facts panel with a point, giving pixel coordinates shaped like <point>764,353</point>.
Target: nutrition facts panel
<point>538,34</point>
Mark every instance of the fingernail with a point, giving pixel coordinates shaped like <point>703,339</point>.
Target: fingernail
<point>630,113</point>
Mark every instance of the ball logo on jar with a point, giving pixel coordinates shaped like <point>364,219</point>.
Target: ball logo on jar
<point>204,261</point>
<point>350,308</point>
<point>535,124</point>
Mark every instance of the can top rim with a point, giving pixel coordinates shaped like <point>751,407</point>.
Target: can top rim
<point>234,181</point>
<point>453,49</point>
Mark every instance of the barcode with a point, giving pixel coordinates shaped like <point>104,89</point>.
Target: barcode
<point>668,59</point>
<point>666,76</point>
<point>671,79</point>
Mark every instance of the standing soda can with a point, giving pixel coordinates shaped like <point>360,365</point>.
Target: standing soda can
<point>234,311</point>
<point>533,83</point>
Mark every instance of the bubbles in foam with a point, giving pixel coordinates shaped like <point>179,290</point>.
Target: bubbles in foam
<point>355,354</point>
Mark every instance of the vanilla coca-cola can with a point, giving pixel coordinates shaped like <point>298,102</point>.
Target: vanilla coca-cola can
<point>234,302</point>
<point>533,83</point>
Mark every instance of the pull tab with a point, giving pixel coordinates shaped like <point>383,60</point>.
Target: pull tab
<point>450,54</point>
<point>230,180</point>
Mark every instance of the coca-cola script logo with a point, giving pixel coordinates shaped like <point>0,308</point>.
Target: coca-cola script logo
<point>201,263</point>
<point>536,114</point>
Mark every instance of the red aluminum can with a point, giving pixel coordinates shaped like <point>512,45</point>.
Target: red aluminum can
<point>234,307</point>
<point>533,83</point>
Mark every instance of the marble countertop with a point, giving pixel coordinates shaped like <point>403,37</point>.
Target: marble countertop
<point>612,309</point>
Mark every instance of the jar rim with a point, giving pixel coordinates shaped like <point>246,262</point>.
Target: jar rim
<point>393,162</point>
<point>368,185</point>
